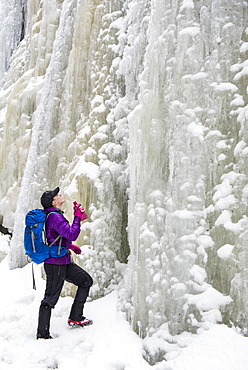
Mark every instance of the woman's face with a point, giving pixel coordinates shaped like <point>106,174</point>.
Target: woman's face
<point>58,201</point>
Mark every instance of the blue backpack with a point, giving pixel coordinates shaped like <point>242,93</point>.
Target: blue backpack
<point>35,243</point>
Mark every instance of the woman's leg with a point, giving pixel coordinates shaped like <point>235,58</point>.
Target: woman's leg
<point>55,276</point>
<point>83,281</point>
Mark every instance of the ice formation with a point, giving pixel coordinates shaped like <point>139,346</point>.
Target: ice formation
<point>137,109</point>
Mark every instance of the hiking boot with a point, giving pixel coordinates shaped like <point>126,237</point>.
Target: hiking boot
<point>83,322</point>
<point>46,336</point>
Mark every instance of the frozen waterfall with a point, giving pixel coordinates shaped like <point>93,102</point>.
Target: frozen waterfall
<point>13,22</point>
<point>137,109</point>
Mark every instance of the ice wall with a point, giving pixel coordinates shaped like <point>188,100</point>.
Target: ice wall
<point>188,171</point>
<point>137,109</point>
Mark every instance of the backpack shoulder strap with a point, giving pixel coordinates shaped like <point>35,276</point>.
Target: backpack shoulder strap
<point>58,237</point>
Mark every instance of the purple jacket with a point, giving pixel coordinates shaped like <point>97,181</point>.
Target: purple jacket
<point>57,224</point>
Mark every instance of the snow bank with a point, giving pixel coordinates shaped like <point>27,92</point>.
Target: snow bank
<point>109,344</point>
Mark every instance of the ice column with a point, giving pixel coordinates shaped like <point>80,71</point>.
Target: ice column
<point>44,126</point>
<point>12,20</point>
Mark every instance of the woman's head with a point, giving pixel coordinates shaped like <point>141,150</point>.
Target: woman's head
<point>52,198</point>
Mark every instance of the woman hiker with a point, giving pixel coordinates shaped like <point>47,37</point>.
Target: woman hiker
<point>61,268</point>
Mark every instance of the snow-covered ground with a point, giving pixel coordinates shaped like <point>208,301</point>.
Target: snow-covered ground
<point>109,344</point>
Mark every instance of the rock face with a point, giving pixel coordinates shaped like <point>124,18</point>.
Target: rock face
<point>137,109</point>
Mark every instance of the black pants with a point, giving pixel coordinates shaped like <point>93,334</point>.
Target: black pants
<point>56,275</point>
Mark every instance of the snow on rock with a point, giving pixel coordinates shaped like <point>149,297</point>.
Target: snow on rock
<point>225,251</point>
<point>209,299</point>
